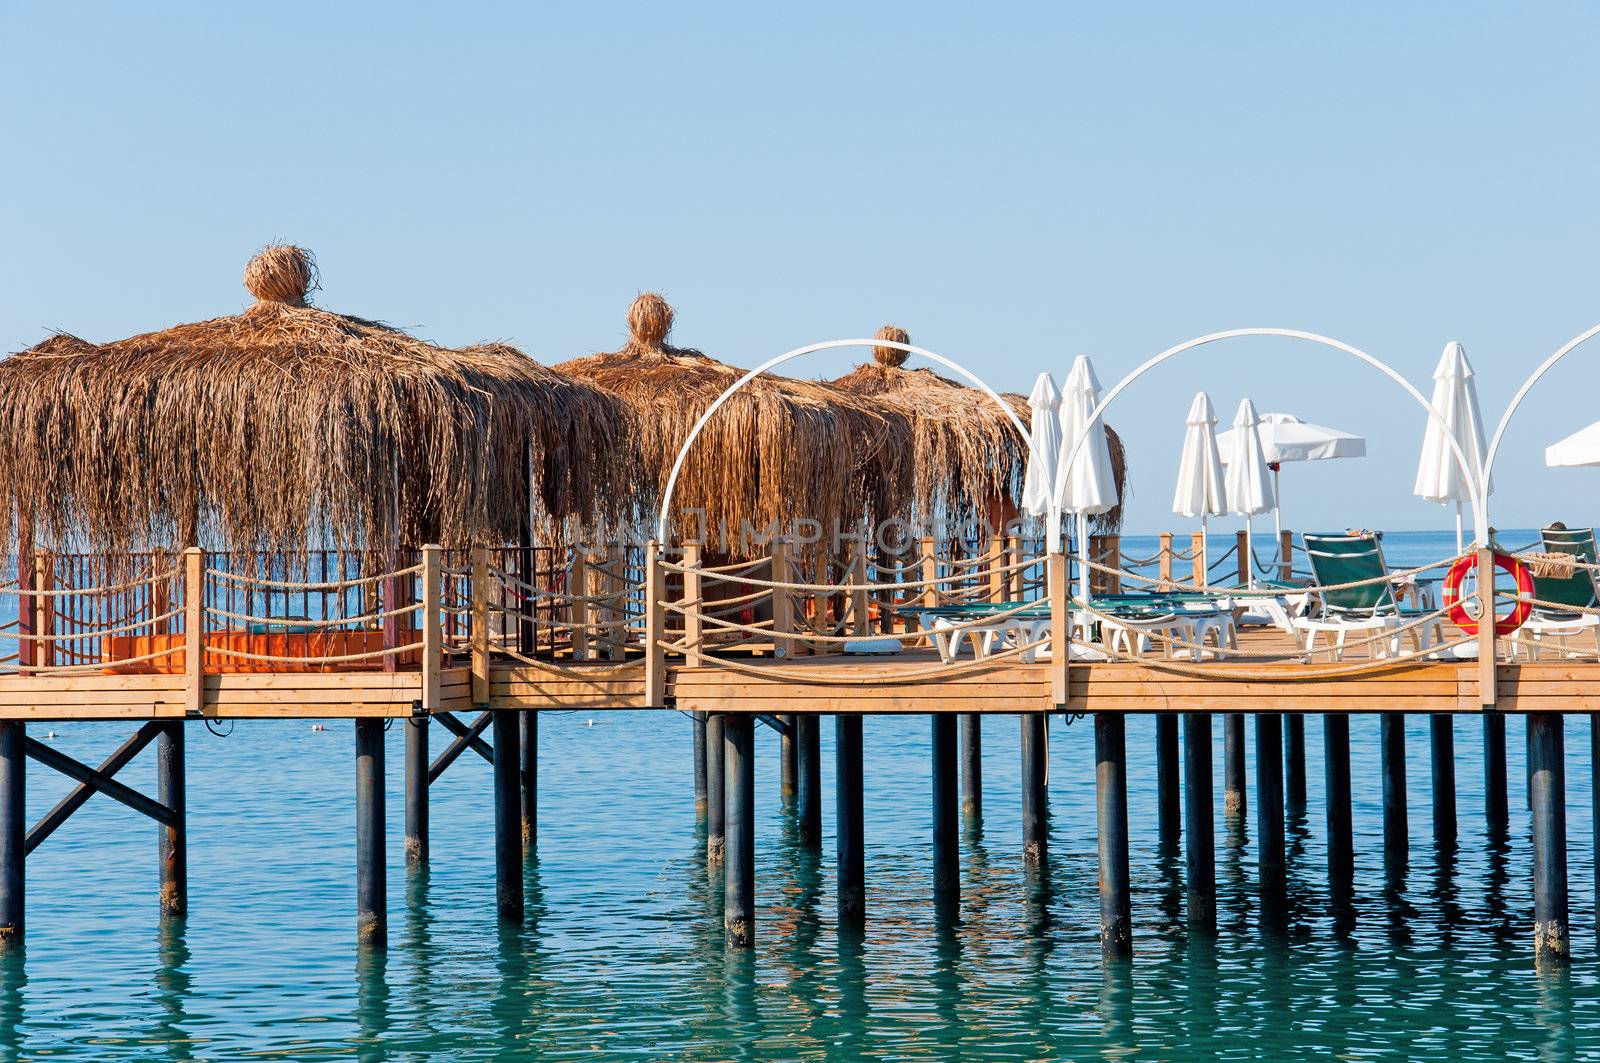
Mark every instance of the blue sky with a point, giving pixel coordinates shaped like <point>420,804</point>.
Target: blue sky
<point>1015,184</point>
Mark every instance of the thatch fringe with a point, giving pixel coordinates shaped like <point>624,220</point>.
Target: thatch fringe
<point>287,425</point>
<point>781,450</point>
<point>966,452</point>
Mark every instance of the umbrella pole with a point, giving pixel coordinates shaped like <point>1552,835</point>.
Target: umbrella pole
<point>1459,545</point>
<point>1248,562</point>
<point>1083,556</point>
<point>1277,512</point>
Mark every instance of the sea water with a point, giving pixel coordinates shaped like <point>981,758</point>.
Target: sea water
<point>621,953</point>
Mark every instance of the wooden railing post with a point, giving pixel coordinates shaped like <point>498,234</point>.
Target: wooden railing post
<point>782,600</point>
<point>1060,627</point>
<point>1164,560</point>
<point>432,635</point>
<point>194,634</point>
<point>44,606</point>
<point>655,655</point>
<point>996,559</point>
<point>860,623</point>
<point>694,628</point>
<point>1014,578</point>
<point>1246,563</point>
<point>578,587</point>
<point>1286,556</point>
<point>1113,560</point>
<point>25,599</point>
<point>480,625</point>
<point>1486,636</point>
<point>1202,566</point>
<point>930,571</point>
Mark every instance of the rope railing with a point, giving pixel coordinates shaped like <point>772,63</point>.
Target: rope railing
<point>289,585</point>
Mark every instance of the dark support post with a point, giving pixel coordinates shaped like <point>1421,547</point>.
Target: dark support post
<point>1199,825</point>
<point>530,780</point>
<point>946,833</point>
<point>808,743</point>
<point>174,837</point>
<point>716,791</point>
<point>1035,795</point>
<point>1169,826</point>
<point>1111,801</point>
<point>1294,756</point>
<point>698,719</point>
<point>416,791</point>
<point>1545,767</point>
<point>850,821</point>
<point>1233,802</point>
<point>507,817</point>
<point>1494,770</point>
<point>1392,746</point>
<point>1272,868</point>
<point>739,884</point>
<point>372,907</point>
<point>787,762</point>
<point>972,767</point>
<point>13,832</point>
<point>1336,780</point>
<point>1442,745</point>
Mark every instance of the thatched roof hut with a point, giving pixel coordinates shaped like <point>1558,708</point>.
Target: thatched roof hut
<point>288,424</point>
<point>780,450</point>
<point>967,453</point>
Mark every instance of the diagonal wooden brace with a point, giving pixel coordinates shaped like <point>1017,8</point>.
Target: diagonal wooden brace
<point>94,780</point>
<point>465,737</point>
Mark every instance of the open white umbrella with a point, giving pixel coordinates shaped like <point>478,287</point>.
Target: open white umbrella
<point>1249,482</point>
<point>1199,492</point>
<point>1579,449</point>
<point>1285,437</point>
<point>1440,477</point>
<point>1084,485</point>
<point>1044,433</point>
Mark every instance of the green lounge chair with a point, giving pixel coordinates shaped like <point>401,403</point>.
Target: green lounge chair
<point>1371,607</point>
<point>1576,592</point>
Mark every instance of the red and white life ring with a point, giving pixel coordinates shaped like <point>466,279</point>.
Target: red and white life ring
<point>1457,605</point>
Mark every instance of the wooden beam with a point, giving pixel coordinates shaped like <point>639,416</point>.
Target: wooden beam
<point>75,800</point>
<point>466,737</point>
<point>76,769</point>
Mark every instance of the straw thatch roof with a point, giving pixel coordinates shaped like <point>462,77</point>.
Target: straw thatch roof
<point>967,453</point>
<point>780,450</point>
<point>287,424</point>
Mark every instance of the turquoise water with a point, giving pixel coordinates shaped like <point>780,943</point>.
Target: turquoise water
<point>621,954</point>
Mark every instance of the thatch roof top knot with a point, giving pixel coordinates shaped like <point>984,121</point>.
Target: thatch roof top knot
<point>282,273</point>
<point>650,319</point>
<point>891,355</point>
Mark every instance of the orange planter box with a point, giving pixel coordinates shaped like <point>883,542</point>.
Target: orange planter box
<point>277,644</point>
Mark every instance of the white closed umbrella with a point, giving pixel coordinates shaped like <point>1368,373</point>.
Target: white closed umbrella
<point>1200,490</point>
<point>1440,477</point>
<point>1285,437</point>
<point>1084,485</point>
<point>1249,481</point>
<point>1044,452</point>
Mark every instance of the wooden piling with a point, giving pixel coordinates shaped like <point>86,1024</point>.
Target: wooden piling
<point>788,781</point>
<point>946,833</point>
<point>1392,752</point>
<point>972,768</point>
<point>1551,944</point>
<point>1169,823</point>
<point>1035,796</point>
<point>372,905</point>
<point>1336,783</point>
<point>1233,799</point>
<point>507,817</point>
<point>1111,806</point>
<point>1272,869</point>
<point>1199,821</point>
<point>529,774</point>
<point>716,790</point>
<point>416,796</point>
<point>808,750</point>
<point>849,808</point>
<point>1494,770</point>
<point>698,729</point>
<point>13,833</point>
<point>1442,751</point>
<point>739,883</point>
<point>173,836</point>
<point>1294,762</point>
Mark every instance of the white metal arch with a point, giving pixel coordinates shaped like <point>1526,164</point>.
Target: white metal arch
<point>1527,385</point>
<point>1480,515</point>
<point>664,524</point>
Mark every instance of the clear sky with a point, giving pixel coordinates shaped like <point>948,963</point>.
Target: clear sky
<point>1013,183</point>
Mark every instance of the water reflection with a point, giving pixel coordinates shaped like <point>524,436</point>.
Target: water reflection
<point>173,984</point>
<point>372,1004</point>
<point>13,980</point>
